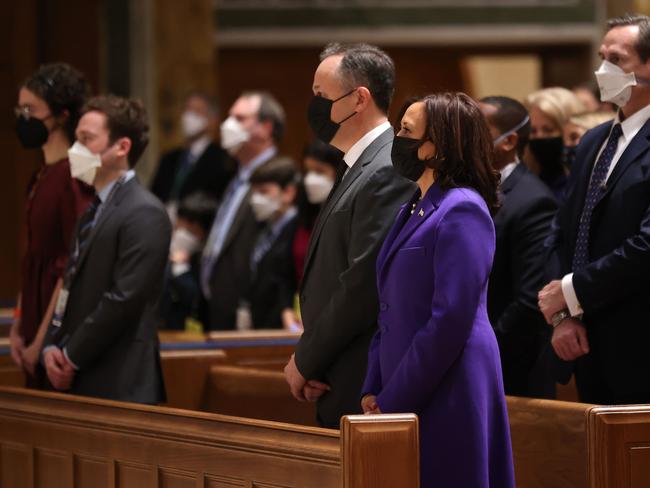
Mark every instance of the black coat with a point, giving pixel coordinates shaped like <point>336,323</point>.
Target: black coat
<point>109,327</point>
<point>613,289</point>
<point>339,301</point>
<point>522,224</point>
<point>210,173</point>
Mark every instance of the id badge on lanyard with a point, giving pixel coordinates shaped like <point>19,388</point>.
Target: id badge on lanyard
<point>59,309</point>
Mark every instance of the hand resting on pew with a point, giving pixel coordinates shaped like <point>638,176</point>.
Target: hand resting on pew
<point>369,405</point>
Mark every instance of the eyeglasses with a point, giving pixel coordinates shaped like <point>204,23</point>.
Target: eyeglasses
<point>25,111</point>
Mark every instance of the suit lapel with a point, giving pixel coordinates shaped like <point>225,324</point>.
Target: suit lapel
<point>242,212</point>
<point>637,147</point>
<point>506,187</point>
<point>421,214</point>
<point>366,158</point>
<point>106,213</point>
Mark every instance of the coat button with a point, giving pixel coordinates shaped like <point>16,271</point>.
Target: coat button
<point>383,306</point>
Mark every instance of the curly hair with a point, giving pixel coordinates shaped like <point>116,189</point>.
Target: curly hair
<point>63,88</point>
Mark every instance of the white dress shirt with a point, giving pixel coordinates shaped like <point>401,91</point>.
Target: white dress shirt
<point>355,152</point>
<point>630,127</point>
<point>508,169</point>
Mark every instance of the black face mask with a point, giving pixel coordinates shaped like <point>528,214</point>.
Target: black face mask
<point>548,153</point>
<point>405,157</point>
<point>319,116</point>
<point>568,156</point>
<point>31,132</point>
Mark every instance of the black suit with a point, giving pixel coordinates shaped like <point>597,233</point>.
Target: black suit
<point>338,300</point>
<point>274,284</point>
<point>522,224</point>
<point>210,173</point>
<point>108,329</point>
<point>613,288</point>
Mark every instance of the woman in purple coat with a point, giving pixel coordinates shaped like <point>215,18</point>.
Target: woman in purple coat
<point>435,353</point>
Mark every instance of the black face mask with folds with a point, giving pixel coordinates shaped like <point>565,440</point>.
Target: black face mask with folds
<point>405,157</point>
<point>31,132</point>
<point>548,154</point>
<point>319,116</point>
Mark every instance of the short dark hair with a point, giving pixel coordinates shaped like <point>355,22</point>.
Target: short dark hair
<point>323,152</point>
<point>508,115</point>
<point>125,117</point>
<point>643,22</point>
<point>210,101</point>
<point>199,208</point>
<point>282,171</point>
<point>63,88</point>
<point>270,109</point>
<point>464,149</point>
<point>365,65</point>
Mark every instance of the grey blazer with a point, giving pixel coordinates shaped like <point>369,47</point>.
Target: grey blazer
<point>108,328</point>
<point>338,298</point>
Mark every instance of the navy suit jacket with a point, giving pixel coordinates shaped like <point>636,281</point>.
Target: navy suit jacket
<point>614,288</point>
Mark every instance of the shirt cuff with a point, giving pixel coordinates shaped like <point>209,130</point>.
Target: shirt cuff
<point>65,353</point>
<point>179,269</point>
<point>575,309</point>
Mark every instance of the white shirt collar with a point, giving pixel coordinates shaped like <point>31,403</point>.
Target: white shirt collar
<point>106,191</point>
<point>357,149</point>
<point>246,172</point>
<point>508,169</point>
<point>198,146</point>
<point>633,124</point>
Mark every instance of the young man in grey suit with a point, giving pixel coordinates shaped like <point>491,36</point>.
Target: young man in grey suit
<point>353,87</point>
<point>102,341</point>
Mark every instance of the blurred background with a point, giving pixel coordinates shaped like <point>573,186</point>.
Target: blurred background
<point>160,50</point>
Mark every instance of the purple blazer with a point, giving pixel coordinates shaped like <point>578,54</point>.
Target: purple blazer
<point>435,353</point>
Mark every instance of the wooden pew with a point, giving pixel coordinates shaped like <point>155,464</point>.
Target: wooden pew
<point>548,437</point>
<point>58,440</point>
<point>619,446</point>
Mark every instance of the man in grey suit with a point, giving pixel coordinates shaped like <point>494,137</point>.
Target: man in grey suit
<point>353,87</point>
<point>254,127</point>
<point>102,341</point>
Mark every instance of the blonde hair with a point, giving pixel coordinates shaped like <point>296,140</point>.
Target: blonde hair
<point>557,103</point>
<point>590,120</point>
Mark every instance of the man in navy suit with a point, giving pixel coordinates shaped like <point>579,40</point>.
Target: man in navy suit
<point>599,248</point>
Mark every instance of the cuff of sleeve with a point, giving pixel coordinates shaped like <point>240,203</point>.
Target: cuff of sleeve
<point>65,353</point>
<point>180,268</point>
<point>570,296</point>
<point>45,349</point>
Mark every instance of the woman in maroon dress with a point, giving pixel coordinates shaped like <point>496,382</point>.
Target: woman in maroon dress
<point>48,109</point>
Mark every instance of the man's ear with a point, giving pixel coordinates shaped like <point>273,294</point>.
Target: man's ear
<point>510,142</point>
<point>364,98</point>
<point>123,146</point>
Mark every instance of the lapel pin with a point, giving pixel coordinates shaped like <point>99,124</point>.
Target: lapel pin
<point>421,213</point>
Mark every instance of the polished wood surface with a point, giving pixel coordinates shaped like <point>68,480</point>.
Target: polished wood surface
<point>52,439</point>
<point>549,442</point>
<point>381,433</point>
<point>619,446</point>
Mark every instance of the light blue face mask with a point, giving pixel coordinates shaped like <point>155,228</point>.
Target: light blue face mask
<point>512,131</point>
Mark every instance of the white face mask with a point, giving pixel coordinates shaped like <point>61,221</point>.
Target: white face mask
<point>318,187</point>
<point>264,206</point>
<point>83,163</point>
<point>233,135</point>
<point>614,83</point>
<point>184,241</point>
<point>192,123</point>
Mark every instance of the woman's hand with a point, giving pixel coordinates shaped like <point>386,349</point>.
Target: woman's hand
<point>369,405</point>
<point>16,344</point>
<point>30,356</point>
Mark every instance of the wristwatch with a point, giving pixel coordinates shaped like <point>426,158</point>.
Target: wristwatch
<point>558,317</point>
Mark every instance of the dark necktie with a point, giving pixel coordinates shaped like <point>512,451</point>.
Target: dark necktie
<point>86,223</point>
<point>184,168</point>
<point>594,192</point>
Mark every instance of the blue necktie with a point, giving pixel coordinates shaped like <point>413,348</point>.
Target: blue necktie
<point>594,192</point>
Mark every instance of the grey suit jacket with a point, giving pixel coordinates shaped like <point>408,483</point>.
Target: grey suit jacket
<point>338,298</point>
<point>108,328</point>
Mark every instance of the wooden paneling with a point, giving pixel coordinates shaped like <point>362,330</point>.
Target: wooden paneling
<point>158,446</point>
<point>619,446</point>
<point>363,468</point>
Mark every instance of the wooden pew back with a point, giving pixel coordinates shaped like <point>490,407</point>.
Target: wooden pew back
<point>58,440</point>
<point>619,446</point>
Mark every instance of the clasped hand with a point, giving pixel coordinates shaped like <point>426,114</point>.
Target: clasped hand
<point>301,389</point>
<point>59,370</point>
